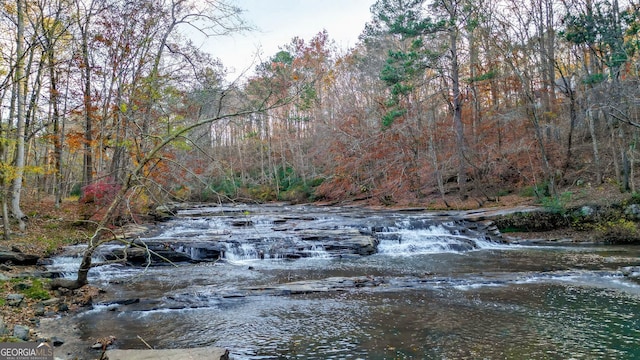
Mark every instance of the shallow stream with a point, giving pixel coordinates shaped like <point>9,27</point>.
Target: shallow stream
<point>433,290</point>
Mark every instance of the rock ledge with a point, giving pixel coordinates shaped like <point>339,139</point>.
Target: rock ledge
<point>213,353</point>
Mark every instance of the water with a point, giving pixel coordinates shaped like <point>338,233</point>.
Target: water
<point>433,291</point>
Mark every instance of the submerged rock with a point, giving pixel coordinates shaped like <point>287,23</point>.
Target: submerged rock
<point>338,283</point>
<point>631,272</point>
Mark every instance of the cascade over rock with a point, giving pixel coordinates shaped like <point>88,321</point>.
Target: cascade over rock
<point>239,233</point>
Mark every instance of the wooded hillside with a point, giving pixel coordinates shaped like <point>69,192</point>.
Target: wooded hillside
<point>470,98</point>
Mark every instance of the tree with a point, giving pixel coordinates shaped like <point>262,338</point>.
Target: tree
<point>20,89</point>
<point>141,69</point>
<point>85,12</point>
<point>607,35</point>
<point>136,177</point>
<point>433,43</point>
<point>54,34</point>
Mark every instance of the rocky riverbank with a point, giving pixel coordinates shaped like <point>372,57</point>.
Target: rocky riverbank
<point>76,348</point>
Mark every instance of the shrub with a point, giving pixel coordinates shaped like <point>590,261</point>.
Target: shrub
<point>101,192</point>
<point>297,194</point>
<point>315,182</point>
<point>96,197</point>
<point>227,187</point>
<point>181,193</point>
<point>556,204</point>
<point>76,190</point>
<point>263,193</point>
<point>634,199</point>
<point>528,191</point>
<point>531,221</point>
<point>620,231</point>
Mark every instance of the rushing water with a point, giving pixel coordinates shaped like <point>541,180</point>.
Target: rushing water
<point>432,291</point>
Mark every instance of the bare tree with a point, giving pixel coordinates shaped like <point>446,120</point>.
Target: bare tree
<point>20,89</point>
<point>136,177</point>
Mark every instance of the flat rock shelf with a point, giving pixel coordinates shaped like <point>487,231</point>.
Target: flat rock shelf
<point>211,353</point>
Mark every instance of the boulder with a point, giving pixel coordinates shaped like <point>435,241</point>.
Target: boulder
<point>631,272</point>
<point>52,301</point>
<point>359,244</point>
<point>18,258</point>
<point>21,332</point>
<point>163,213</point>
<point>39,309</point>
<point>633,211</point>
<point>200,251</point>
<point>14,299</point>
<point>342,241</point>
<point>242,223</point>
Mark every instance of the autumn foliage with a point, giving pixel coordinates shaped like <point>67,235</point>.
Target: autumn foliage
<point>438,100</point>
<point>97,196</point>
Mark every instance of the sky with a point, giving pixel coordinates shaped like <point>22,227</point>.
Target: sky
<point>279,21</point>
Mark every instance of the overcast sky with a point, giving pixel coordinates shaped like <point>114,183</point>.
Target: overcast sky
<point>278,21</point>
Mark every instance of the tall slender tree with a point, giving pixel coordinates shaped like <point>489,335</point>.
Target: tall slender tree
<point>20,90</point>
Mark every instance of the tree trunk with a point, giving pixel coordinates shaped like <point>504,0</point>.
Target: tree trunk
<point>57,133</point>
<point>474,65</point>
<point>6,231</point>
<point>87,159</point>
<point>594,143</point>
<point>573,115</point>
<point>20,120</point>
<point>551,53</point>
<point>543,55</point>
<point>457,113</point>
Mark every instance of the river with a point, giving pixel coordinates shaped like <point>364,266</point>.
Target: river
<point>435,288</point>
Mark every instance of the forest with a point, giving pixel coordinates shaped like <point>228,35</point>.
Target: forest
<point>470,99</point>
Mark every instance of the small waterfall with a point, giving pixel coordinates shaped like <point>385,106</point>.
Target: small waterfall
<point>241,252</point>
<point>317,251</point>
<point>408,239</point>
<point>274,233</point>
<point>195,253</point>
<point>68,263</point>
<point>66,266</point>
<point>279,249</point>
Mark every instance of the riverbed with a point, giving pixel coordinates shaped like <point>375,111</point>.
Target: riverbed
<point>272,282</point>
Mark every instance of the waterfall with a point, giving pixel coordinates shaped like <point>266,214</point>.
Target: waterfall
<point>250,233</point>
<point>406,239</point>
<point>274,249</point>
